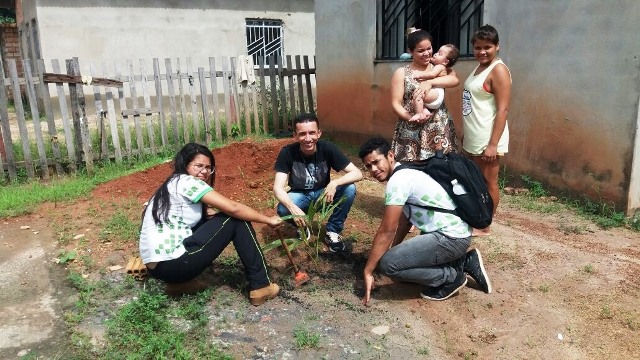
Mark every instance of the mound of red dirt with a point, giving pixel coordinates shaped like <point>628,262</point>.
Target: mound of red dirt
<point>240,168</point>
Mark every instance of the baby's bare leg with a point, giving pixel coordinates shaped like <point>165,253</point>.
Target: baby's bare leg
<point>418,105</point>
<point>430,96</point>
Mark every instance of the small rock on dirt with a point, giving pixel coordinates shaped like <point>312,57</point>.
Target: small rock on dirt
<point>380,330</point>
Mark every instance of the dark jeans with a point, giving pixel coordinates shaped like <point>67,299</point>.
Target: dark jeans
<point>207,242</point>
<point>425,259</point>
<point>303,199</point>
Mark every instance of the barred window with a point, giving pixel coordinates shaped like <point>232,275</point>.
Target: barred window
<point>264,38</point>
<point>448,21</point>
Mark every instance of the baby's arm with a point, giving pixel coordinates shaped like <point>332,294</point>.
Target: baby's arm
<point>437,70</point>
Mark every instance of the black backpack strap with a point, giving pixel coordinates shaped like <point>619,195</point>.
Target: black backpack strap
<point>437,209</point>
<point>420,166</point>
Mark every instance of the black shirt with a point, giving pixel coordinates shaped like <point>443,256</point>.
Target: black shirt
<point>310,172</point>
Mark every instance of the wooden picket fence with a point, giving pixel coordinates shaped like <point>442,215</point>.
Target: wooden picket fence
<point>136,112</point>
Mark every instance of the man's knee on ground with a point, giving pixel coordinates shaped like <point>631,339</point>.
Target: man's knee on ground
<point>387,266</point>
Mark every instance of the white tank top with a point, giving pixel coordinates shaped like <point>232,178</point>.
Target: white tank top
<point>479,112</point>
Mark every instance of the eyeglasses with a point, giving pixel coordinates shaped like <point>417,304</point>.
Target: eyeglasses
<point>202,167</point>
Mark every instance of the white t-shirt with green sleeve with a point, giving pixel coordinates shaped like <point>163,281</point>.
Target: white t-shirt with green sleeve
<point>416,187</point>
<point>161,242</point>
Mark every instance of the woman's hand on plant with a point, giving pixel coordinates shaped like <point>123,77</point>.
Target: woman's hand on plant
<point>275,221</point>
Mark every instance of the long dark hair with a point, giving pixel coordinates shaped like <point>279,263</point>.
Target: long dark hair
<point>161,198</point>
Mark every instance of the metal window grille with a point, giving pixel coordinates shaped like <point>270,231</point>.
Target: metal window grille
<point>264,38</point>
<point>448,21</point>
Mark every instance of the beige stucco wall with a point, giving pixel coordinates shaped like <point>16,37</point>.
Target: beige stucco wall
<point>144,29</point>
<point>575,100</point>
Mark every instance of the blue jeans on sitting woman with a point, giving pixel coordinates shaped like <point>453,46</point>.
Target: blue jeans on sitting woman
<point>303,199</point>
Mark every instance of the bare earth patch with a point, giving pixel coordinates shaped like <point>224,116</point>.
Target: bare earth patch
<point>563,288</point>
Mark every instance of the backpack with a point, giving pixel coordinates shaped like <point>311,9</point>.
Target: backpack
<point>473,203</point>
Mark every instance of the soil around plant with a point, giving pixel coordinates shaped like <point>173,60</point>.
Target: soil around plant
<point>563,288</point>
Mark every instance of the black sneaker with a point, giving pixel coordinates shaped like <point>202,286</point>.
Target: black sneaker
<point>334,242</point>
<point>445,291</point>
<point>475,268</point>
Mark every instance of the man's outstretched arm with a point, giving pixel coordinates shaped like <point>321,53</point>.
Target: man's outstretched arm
<point>381,243</point>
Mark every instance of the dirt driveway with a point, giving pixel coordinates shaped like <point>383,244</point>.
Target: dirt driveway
<point>563,288</point>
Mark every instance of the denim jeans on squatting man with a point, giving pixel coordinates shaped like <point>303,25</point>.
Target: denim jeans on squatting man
<point>425,259</point>
<point>302,199</point>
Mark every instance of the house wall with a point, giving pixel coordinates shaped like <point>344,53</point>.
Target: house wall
<point>101,30</point>
<point>10,47</point>
<point>575,99</point>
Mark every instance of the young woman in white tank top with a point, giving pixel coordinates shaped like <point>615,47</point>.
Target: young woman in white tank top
<point>485,104</point>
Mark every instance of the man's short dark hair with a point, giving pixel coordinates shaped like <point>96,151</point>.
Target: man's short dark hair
<point>378,143</point>
<point>305,117</point>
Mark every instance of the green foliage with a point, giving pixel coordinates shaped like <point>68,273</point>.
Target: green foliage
<point>21,198</point>
<point>318,213</point>
<point>603,214</point>
<point>304,338</point>
<point>606,312</point>
<point>235,130</point>
<point>142,329</point>
<point>502,179</point>
<point>535,187</point>
<point>66,256</point>
<point>634,222</point>
<point>119,228</point>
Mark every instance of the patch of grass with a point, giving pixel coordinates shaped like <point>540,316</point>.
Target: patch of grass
<point>349,305</point>
<point>470,354</point>
<point>305,338</point>
<point>144,327</point>
<point>536,205</point>
<point>572,229</point>
<point>148,326</point>
<point>544,288</point>
<point>634,222</point>
<point>589,269</point>
<point>119,228</point>
<point>312,317</point>
<point>22,198</point>
<point>536,189</point>
<point>632,323</point>
<point>606,312</point>
<point>66,256</point>
<point>424,351</point>
<point>602,213</point>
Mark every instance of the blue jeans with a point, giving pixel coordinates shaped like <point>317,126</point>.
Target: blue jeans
<point>303,199</point>
<point>425,259</point>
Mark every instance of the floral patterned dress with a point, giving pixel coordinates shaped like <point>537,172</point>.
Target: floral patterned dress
<point>414,141</point>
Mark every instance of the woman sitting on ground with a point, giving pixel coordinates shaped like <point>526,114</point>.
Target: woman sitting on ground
<point>178,241</point>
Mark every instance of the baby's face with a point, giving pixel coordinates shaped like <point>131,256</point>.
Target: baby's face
<point>440,58</point>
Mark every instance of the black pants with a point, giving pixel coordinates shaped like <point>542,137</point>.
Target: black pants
<point>207,243</point>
